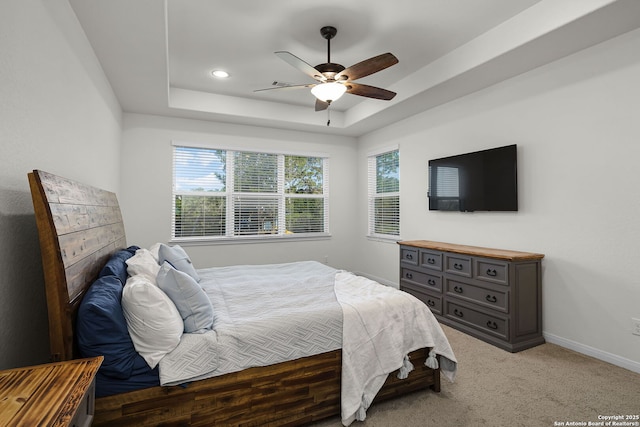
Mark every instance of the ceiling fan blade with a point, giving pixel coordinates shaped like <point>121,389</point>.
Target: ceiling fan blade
<point>368,66</point>
<point>369,91</point>
<point>321,105</point>
<point>286,87</point>
<point>298,63</point>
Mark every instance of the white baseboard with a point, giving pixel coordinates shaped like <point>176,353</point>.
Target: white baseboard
<point>562,342</point>
<point>593,352</point>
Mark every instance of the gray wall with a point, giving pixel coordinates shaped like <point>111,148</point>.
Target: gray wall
<point>576,125</point>
<point>57,113</point>
<point>147,170</point>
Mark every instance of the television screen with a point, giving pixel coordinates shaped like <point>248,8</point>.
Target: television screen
<point>479,181</point>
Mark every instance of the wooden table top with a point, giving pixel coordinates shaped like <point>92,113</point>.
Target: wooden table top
<point>45,395</point>
<point>473,250</point>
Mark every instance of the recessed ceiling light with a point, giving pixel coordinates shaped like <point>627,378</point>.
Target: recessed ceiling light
<point>221,74</point>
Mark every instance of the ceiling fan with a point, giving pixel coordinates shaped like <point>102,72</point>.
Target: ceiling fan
<point>334,79</point>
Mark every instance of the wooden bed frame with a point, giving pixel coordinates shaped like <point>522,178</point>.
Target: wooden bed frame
<point>79,227</point>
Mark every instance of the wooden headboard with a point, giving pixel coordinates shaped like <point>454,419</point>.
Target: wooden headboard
<point>79,228</point>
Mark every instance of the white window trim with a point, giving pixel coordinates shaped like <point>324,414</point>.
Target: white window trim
<point>371,195</point>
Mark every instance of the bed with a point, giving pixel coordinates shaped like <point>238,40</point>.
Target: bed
<point>81,230</point>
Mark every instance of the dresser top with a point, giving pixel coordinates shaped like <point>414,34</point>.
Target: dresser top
<point>45,394</point>
<point>473,250</point>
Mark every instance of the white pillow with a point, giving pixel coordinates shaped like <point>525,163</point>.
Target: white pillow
<point>153,321</point>
<point>154,251</point>
<point>178,258</point>
<point>190,300</point>
<point>144,263</point>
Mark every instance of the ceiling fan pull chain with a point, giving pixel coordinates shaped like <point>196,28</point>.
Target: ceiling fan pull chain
<point>328,116</point>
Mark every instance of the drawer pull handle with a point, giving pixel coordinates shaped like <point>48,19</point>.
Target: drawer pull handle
<point>458,313</point>
<point>431,282</point>
<point>492,273</point>
<point>491,298</point>
<point>457,266</point>
<point>431,303</point>
<point>492,325</point>
<point>458,289</point>
<point>408,275</point>
<point>408,256</point>
<point>431,261</point>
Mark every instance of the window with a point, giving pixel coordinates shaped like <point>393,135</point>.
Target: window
<point>238,194</point>
<point>384,194</point>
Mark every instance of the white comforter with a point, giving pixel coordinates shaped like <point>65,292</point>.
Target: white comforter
<point>381,325</point>
<point>263,315</point>
<point>273,313</point>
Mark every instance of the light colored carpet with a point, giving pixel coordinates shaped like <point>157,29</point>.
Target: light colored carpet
<point>543,386</point>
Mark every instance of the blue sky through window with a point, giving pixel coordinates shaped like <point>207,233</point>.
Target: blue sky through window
<point>199,169</point>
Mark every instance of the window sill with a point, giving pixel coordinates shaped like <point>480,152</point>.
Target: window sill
<point>247,240</point>
<point>384,239</point>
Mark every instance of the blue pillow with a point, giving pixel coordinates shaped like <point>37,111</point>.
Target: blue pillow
<point>116,266</point>
<point>107,386</point>
<point>192,303</point>
<point>101,330</point>
<point>178,258</point>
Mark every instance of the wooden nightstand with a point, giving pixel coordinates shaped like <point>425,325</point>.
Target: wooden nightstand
<point>55,394</point>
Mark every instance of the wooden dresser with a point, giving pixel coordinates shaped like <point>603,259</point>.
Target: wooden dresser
<point>492,294</point>
<point>55,394</point>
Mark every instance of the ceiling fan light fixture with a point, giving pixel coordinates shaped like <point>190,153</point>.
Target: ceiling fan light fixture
<point>328,92</point>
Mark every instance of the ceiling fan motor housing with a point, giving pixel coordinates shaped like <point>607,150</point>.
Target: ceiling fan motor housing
<point>329,70</point>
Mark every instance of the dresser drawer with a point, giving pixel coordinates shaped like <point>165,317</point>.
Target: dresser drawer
<point>477,319</point>
<point>492,271</point>
<point>430,281</point>
<point>459,265</point>
<point>431,260</point>
<point>408,255</point>
<point>485,296</point>
<point>432,301</point>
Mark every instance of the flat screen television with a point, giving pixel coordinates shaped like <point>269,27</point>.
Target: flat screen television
<point>480,181</point>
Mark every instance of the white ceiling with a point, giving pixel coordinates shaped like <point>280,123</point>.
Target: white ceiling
<point>158,54</point>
